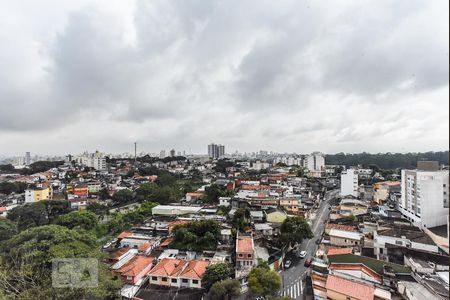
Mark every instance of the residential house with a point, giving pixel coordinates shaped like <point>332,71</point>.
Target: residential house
<point>409,237</point>
<point>135,269</point>
<point>178,273</point>
<point>345,238</point>
<point>245,251</point>
<point>383,189</point>
<point>38,194</point>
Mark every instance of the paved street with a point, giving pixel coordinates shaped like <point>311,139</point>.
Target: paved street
<point>292,278</point>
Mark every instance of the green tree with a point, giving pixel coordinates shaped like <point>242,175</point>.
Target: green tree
<point>25,272</point>
<point>28,215</point>
<point>146,191</point>
<point>165,179</point>
<point>123,196</point>
<point>8,168</point>
<point>294,230</point>
<point>7,229</point>
<point>216,272</point>
<point>38,213</point>
<point>12,187</point>
<point>226,289</point>
<point>241,218</point>
<point>78,219</point>
<point>264,282</point>
<point>167,194</point>
<point>97,208</point>
<point>196,235</point>
<point>103,194</point>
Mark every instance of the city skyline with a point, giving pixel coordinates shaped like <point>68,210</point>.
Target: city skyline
<point>102,74</point>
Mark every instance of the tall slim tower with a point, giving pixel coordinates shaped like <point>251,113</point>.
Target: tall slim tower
<point>135,153</point>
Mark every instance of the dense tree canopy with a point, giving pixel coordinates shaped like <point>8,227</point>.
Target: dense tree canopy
<point>7,229</point>
<point>213,192</point>
<point>241,218</point>
<point>25,272</point>
<point>197,235</point>
<point>386,160</point>
<point>41,166</point>
<point>39,213</point>
<point>78,219</point>
<point>8,168</point>
<point>215,273</point>
<point>225,289</point>
<point>294,230</point>
<point>12,187</point>
<point>123,196</point>
<point>264,282</point>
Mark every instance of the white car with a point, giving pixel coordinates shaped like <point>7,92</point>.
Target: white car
<point>287,264</point>
<point>302,254</point>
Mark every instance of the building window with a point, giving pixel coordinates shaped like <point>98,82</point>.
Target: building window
<point>249,255</point>
<point>381,250</point>
<point>184,280</point>
<point>241,255</point>
<point>154,278</point>
<point>174,280</point>
<point>195,281</point>
<point>164,279</point>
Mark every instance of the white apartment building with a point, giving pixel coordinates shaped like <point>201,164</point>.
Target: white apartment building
<point>424,199</point>
<point>216,151</point>
<point>349,183</point>
<point>92,160</point>
<point>260,165</point>
<point>315,162</point>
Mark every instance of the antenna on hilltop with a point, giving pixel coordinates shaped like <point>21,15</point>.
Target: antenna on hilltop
<point>135,153</point>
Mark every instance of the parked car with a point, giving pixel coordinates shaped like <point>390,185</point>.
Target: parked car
<point>317,242</point>
<point>302,254</point>
<point>307,263</point>
<point>287,264</point>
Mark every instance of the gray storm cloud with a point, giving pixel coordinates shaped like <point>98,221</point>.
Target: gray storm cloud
<point>278,75</point>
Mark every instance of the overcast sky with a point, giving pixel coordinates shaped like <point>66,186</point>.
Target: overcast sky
<point>287,76</point>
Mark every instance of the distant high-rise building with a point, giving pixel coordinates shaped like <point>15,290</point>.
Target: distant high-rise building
<point>162,154</point>
<point>215,151</point>
<point>92,160</point>
<point>27,158</point>
<point>172,152</point>
<point>221,150</point>
<point>315,163</point>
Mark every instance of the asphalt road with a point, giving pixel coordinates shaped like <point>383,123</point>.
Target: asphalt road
<point>293,283</point>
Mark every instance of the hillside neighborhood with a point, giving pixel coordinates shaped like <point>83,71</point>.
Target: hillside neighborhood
<point>215,227</point>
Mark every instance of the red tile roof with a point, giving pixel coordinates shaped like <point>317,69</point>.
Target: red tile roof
<point>144,247</point>
<point>170,267</point>
<point>166,242</point>
<point>195,269</point>
<point>136,265</point>
<point>124,235</point>
<point>337,251</point>
<point>244,244</point>
<point>350,288</point>
<point>339,227</point>
<point>166,267</point>
<point>194,194</point>
<point>117,253</point>
<point>356,266</point>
